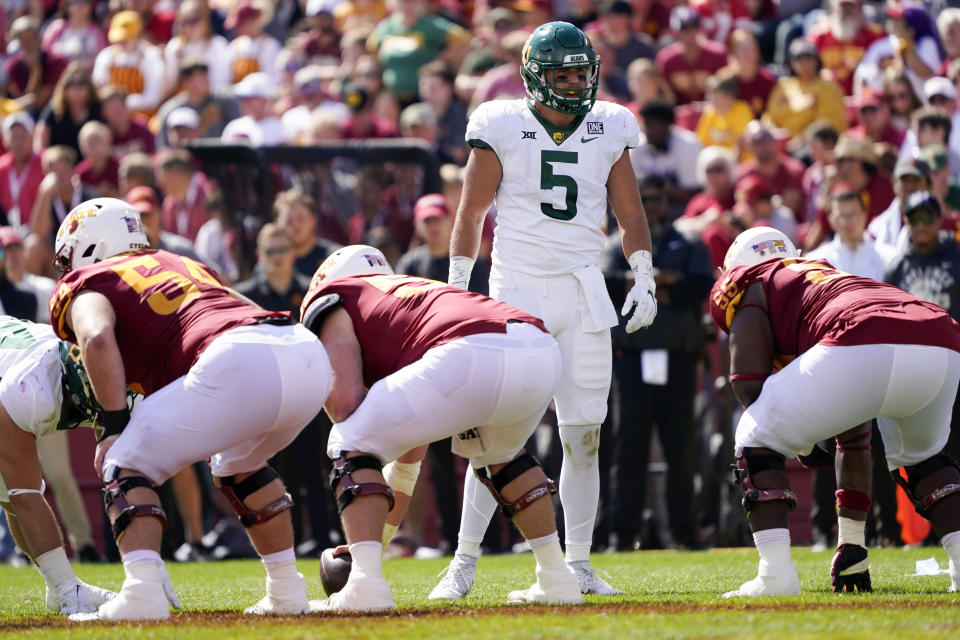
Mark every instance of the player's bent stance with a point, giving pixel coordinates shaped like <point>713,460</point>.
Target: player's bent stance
<point>223,379</point>
<point>860,349</point>
<point>436,360</point>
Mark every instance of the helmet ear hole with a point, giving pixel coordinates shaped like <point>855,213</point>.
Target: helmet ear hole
<point>89,251</point>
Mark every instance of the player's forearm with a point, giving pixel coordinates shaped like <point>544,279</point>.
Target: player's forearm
<point>101,355</point>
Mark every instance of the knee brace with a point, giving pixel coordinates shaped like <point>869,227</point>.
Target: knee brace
<point>343,467</point>
<point>918,472</point>
<point>511,471</point>
<point>237,492</point>
<point>115,493</point>
<point>756,463</point>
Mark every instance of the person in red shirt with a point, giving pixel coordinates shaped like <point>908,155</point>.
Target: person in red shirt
<point>687,63</point>
<point>163,326</point>
<point>21,171</point>
<point>473,364</point>
<point>783,173</point>
<point>842,37</point>
<point>364,121</point>
<point>31,72</point>
<point>99,170</point>
<point>129,136</point>
<point>816,353</point>
<point>754,80</point>
<point>874,115</point>
<point>186,190</point>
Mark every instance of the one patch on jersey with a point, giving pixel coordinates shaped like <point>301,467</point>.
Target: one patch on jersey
<point>594,127</point>
<point>770,247</point>
<point>529,135</point>
<point>558,136</point>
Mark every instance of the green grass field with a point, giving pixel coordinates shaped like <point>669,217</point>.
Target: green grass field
<point>669,595</point>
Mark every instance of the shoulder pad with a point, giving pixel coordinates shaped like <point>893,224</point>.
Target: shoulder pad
<point>318,310</point>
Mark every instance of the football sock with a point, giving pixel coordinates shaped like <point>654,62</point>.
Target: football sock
<point>851,531</point>
<point>773,545</point>
<point>951,544</point>
<point>479,506</point>
<point>366,558</point>
<point>579,487</point>
<point>280,565</point>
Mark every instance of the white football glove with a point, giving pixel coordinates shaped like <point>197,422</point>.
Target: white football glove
<point>76,596</point>
<point>643,293</point>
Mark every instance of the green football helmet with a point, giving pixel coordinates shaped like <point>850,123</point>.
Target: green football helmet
<point>79,403</point>
<point>559,45</point>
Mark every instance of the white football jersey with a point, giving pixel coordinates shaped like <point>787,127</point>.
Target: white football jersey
<point>552,198</point>
<point>30,375</point>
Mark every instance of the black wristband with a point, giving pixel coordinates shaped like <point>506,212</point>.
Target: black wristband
<point>114,422</point>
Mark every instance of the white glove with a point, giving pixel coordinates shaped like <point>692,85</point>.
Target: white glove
<point>76,596</point>
<point>168,589</point>
<point>459,272</point>
<point>643,293</point>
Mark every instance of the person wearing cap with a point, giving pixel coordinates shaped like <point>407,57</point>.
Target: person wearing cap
<point>755,194</point>
<point>874,115</point>
<point>144,199</point>
<point>183,125</point>
<point>364,121</point>
<point>687,63</point>
<point>195,38</point>
<point>783,173</point>
<point>129,135</point>
<point>410,37</point>
<point>251,50</point>
<point>132,63</point>
<point>842,36</point>
<point>942,184</point>
<point>911,44</point>
<point>911,174</point>
<point>941,97</point>
<point>157,21</point>
<point>668,151</point>
<point>21,170</point>
<point>258,125</point>
<point>805,96</point>
<point>309,94</point>
<point>215,105</point>
<point>31,73</point>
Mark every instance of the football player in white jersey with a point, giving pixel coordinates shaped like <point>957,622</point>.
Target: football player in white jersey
<point>43,388</point>
<point>553,161</point>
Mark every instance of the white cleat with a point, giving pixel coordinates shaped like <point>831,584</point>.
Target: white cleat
<point>142,597</point>
<point>458,579</point>
<point>361,593</point>
<point>590,582</point>
<point>553,586</point>
<point>284,597</point>
<point>773,579</point>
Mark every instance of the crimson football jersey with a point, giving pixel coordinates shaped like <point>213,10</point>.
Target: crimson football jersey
<point>398,318</point>
<point>168,309</point>
<point>810,302</point>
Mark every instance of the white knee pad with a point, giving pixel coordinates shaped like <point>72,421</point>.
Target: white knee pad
<point>585,384</point>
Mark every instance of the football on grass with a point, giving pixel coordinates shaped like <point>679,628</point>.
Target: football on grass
<point>334,570</point>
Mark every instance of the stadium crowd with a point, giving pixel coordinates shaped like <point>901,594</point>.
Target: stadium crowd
<point>818,119</point>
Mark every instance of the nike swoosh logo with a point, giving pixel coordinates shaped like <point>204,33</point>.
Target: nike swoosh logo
<point>585,140</point>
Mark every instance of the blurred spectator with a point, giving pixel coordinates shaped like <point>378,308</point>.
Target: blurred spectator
<point>129,136</point>
<point>754,193</point>
<point>99,171</point>
<point>157,23</point>
<point>369,77</point>
<point>911,175</point>
<point>655,376</point>
<point>132,63</point>
<point>725,116</point>
<point>938,123</point>
<point>357,14</point>
<point>821,138</point>
<point>309,95</point>
<point>195,39</point>
<point>943,186</point>
<point>144,200</point>
<point>616,32</point>
<point>215,240</point>
<point>364,122</point>
<point>16,301</point>
<point>383,239</point>
<point>580,13</point>
<point>532,13</point>
<point>874,120</point>
<point>257,126</point>
<point>275,284</point>
<point>720,17</point>
<point>437,90</point>
<point>186,190</point>
<point>912,44</point>
<point>31,72</point>
<point>717,174</point>
<point>136,170</point>
<point>688,62</point>
<point>842,36</point>
<point>73,104</point>
<point>652,17</point>
<point>901,97</point>
<point>948,27</point>
<point>805,96</point>
<point>216,108</point>
<point>486,49</point>
<point>784,174</point>
<point>74,34</point>
<point>324,126</point>
<point>852,250</point>
<point>183,125</point>
<point>60,191</point>
<point>374,211</point>
<point>320,38</point>
<point>409,38</point>
<point>21,170</point>
<point>503,82</point>
<point>646,83</point>
<point>251,50</point>
<point>296,213</point>
<point>754,81</point>
<point>667,151</point>
<point>15,269</point>
<point>289,62</point>
<point>419,121</point>
<point>857,165</point>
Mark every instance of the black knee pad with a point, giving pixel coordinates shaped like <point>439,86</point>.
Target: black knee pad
<point>922,470</point>
<point>756,463</point>
<point>115,494</point>
<point>237,492</point>
<point>341,474</point>
<point>510,472</point>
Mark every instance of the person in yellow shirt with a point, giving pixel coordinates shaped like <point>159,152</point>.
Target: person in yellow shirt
<point>725,116</point>
<point>798,101</point>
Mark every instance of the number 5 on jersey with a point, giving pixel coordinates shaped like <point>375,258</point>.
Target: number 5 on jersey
<point>550,180</point>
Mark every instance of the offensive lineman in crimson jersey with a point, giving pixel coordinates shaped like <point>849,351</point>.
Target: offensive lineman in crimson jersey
<point>851,349</point>
<point>436,360</point>
<point>164,326</point>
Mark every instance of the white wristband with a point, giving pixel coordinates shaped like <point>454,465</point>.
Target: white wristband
<point>459,273</point>
<point>641,260</point>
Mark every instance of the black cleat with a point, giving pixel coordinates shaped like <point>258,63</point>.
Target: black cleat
<point>850,569</point>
